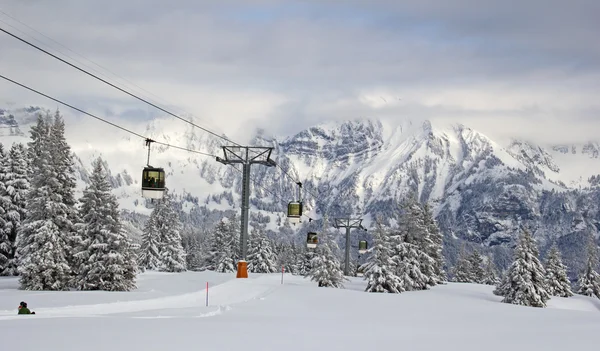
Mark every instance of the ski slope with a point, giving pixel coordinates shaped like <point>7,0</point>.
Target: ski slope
<point>168,312</point>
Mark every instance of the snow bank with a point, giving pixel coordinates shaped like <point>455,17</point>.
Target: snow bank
<point>259,313</point>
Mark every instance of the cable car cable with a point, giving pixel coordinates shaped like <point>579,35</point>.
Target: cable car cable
<point>128,93</point>
<point>130,131</point>
<point>113,85</point>
<point>101,119</point>
<point>135,133</point>
<point>85,58</point>
<point>297,180</point>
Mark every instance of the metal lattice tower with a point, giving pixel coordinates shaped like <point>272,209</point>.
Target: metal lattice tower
<point>348,223</point>
<point>241,154</point>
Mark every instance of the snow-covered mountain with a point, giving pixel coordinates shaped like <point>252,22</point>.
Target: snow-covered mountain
<point>481,192</point>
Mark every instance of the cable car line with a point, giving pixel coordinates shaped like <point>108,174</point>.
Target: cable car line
<point>129,131</point>
<point>156,190</point>
<point>103,120</point>
<point>74,59</point>
<point>299,213</point>
<point>295,180</point>
<point>114,86</point>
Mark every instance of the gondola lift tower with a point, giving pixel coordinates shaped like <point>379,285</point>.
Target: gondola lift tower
<point>241,155</point>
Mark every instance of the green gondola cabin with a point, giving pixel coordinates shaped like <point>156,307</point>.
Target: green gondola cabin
<point>153,182</point>
<point>312,240</point>
<point>362,246</point>
<point>294,211</point>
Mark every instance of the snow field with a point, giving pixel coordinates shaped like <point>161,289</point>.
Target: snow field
<point>167,312</point>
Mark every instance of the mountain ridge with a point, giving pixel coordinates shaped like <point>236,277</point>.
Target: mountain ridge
<point>482,193</point>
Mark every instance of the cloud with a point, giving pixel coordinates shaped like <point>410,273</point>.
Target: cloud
<point>283,66</point>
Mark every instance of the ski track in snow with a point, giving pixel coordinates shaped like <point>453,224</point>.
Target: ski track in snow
<point>221,298</point>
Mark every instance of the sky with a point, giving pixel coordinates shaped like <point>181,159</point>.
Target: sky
<point>528,69</point>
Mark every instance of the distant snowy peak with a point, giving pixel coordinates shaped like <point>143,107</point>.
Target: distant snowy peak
<point>532,155</point>
<point>590,149</point>
<point>340,142</point>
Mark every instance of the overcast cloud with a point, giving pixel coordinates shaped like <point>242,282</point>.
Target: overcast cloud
<point>528,69</point>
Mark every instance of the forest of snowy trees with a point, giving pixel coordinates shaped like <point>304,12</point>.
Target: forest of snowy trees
<point>53,241</point>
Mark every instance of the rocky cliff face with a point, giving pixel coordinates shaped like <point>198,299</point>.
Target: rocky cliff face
<point>482,193</point>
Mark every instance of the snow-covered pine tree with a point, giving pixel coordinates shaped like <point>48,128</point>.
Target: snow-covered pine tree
<point>192,246</point>
<point>526,275</point>
<point>379,269</point>
<point>106,259</point>
<point>43,249</point>
<point>490,275</point>
<point>589,281</point>
<point>325,267</point>
<point>149,253</point>
<point>221,254</point>
<point>476,262</point>
<point>557,281</point>
<point>5,202</point>
<point>167,224</point>
<point>408,258</point>
<point>502,285</point>
<point>412,242</point>
<point>12,203</point>
<point>287,255</point>
<point>234,228</point>
<point>435,249</point>
<point>261,258</point>
<point>303,259</point>
<point>461,272</point>
<point>229,256</point>
<point>64,170</point>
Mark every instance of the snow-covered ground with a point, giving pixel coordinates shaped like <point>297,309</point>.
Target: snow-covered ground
<point>168,312</point>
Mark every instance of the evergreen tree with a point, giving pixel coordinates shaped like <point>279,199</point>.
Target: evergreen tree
<point>261,258</point>
<point>14,184</point>
<point>556,274</point>
<point>287,254</point>
<point>476,262</point>
<point>589,281</point>
<point>490,275</point>
<point>149,254</point>
<point>65,185</point>
<point>193,249</point>
<point>167,223</point>
<point>462,270</point>
<point>43,247</point>
<point>526,276</point>
<point>503,285</point>
<point>221,255</point>
<point>325,267</point>
<point>379,269</point>
<point>303,259</point>
<point>228,252</point>
<point>412,242</point>
<point>437,244</point>
<point>408,260</point>
<point>5,242</point>
<point>107,261</point>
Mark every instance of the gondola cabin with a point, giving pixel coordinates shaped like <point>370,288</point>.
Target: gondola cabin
<point>294,211</point>
<point>153,183</point>
<point>362,246</point>
<point>312,240</point>
<point>360,271</point>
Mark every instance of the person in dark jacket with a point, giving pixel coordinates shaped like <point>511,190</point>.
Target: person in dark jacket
<point>23,308</point>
